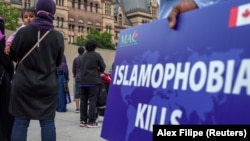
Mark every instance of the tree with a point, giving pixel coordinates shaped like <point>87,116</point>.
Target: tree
<point>10,15</point>
<point>80,41</point>
<point>104,39</point>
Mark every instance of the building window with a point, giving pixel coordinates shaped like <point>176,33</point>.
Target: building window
<point>107,9</point>
<point>71,39</point>
<point>96,8</point>
<point>80,29</point>
<point>85,5</point>
<point>16,1</point>
<point>71,27</point>
<point>120,19</point>
<point>27,3</point>
<point>116,35</point>
<point>154,12</point>
<point>108,28</point>
<point>145,21</point>
<point>115,18</point>
<point>88,30</point>
<point>62,20</point>
<point>79,4</point>
<point>60,2</point>
<point>73,3</point>
<point>58,22</point>
<point>91,7</point>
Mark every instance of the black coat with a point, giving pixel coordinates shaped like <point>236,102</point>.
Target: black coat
<point>35,86</point>
<point>92,65</point>
<point>6,72</point>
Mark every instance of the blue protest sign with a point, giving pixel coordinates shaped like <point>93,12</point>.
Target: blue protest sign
<point>197,74</point>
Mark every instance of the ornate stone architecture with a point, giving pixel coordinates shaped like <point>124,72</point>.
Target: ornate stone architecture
<point>74,18</point>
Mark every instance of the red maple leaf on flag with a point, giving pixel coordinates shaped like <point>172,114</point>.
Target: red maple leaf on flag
<point>246,14</point>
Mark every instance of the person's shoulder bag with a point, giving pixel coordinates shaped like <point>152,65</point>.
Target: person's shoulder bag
<point>33,48</point>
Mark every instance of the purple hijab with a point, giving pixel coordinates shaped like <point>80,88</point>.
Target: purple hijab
<point>45,15</point>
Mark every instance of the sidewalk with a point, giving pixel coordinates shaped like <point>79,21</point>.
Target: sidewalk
<point>67,127</point>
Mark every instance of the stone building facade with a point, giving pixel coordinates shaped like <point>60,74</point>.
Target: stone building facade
<point>74,18</point>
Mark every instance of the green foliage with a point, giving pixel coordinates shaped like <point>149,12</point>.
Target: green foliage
<point>104,39</point>
<point>10,15</point>
<point>80,41</point>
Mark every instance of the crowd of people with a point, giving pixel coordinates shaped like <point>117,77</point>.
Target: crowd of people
<point>36,88</point>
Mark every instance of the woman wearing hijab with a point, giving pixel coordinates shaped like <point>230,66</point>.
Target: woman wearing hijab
<point>63,78</point>
<point>6,73</point>
<point>35,86</point>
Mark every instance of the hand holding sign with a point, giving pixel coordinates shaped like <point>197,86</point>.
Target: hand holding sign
<point>183,6</point>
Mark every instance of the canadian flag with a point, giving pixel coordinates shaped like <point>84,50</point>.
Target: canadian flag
<point>240,15</point>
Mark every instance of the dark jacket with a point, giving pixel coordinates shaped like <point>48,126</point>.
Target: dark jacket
<point>5,62</point>
<point>6,72</point>
<point>35,84</point>
<point>76,68</point>
<point>92,65</point>
<point>63,68</point>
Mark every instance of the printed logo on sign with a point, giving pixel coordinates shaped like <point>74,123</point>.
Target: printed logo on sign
<point>239,15</point>
<point>129,39</point>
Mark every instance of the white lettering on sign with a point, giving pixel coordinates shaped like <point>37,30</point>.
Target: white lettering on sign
<point>213,77</point>
<point>146,116</point>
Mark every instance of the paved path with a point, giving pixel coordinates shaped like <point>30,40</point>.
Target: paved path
<point>67,127</point>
